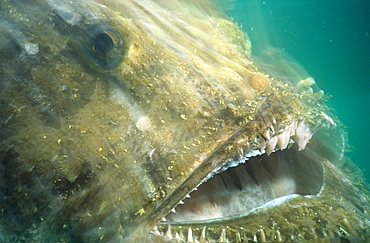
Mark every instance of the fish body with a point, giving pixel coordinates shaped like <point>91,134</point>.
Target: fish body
<point>132,121</point>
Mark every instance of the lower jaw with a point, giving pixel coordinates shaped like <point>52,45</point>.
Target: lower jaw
<point>306,212</point>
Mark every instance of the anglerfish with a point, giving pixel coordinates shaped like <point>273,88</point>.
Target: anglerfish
<point>151,121</point>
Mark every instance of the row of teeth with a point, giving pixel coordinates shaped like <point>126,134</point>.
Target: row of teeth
<point>297,132</point>
<point>190,237</point>
<point>259,236</point>
<point>294,133</point>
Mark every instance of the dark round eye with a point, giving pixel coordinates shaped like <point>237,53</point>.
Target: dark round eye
<point>103,43</point>
<point>106,47</point>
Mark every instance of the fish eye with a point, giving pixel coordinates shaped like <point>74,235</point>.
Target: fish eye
<point>105,47</point>
<point>103,43</point>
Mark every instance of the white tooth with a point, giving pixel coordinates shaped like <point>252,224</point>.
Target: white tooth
<point>270,145</point>
<point>169,232</point>
<point>173,210</point>
<point>278,235</point>
<point>190,235</point>
<point>302,144</point>
<point>187,196</point>
<point>302,136</point>
<point>203,235</point>
<point>223,236</point>
<point>156,231</point>
<point>181,202</point>
<point>263,236</point>
<point>283,139</point>
<point>238,237</point>
<point>177,236</point>
<point>164,219</point>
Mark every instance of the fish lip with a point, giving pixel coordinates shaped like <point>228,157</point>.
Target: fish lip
<point>270,204</point>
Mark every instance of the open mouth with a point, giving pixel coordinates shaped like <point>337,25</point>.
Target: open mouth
<point>285,166</point>
<point>261,179</point>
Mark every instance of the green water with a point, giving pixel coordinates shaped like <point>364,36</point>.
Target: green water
<point>331,40</point>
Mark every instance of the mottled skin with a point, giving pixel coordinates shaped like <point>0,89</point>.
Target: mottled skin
<point>100,151</point>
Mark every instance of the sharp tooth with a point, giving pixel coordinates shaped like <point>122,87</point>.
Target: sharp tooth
<point>156,231</point>
<point>278,235</point>
<point>203,235</point>
<point>181,202</point>
<point>173,210</point>
<point>263,236</point>
<point>169,232</point>
<point>177,236</point>
<point>324,233</point>
<point>190,235</point>
<point>283,139</point>
<point>270,145</point>
<point>187,196</point>
<point>238,237</point>
<point>164,219</point>
<point>223,236</point>
<point>302,136</point>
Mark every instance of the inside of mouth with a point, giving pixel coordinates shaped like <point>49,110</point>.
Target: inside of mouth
<point>253,183</point>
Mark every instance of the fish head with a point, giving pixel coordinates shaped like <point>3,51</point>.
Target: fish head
<point>114,112</point>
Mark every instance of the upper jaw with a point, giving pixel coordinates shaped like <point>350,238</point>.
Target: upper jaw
<point>272,132</point>
<point>280,218</point>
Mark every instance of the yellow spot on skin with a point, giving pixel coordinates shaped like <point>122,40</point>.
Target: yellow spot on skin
<point>140,212</point>
<point>259,82</point>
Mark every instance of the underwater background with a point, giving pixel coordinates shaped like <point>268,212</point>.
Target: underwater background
<point>330,40</point>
